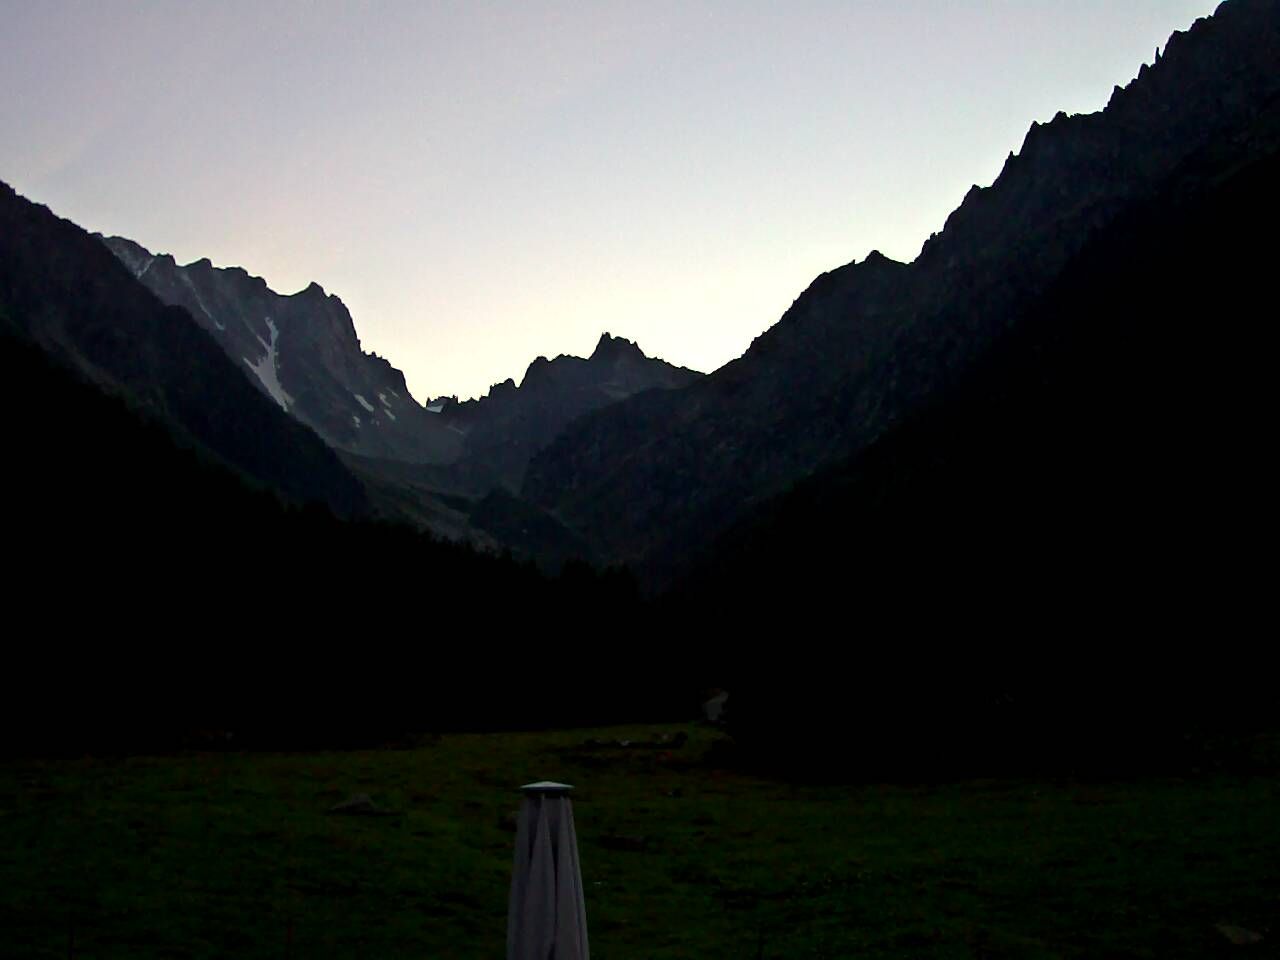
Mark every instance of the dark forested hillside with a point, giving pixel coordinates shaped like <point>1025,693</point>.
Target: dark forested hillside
<point>184,553</point>
<point>1069,545</point>
<point>153,594</point>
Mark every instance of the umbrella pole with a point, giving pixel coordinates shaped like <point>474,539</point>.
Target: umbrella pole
<point>546,911</point>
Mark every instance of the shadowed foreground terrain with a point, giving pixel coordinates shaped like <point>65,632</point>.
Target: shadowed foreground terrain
<point>235,854</point>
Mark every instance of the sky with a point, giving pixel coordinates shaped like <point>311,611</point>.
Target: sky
<point>483,183</point>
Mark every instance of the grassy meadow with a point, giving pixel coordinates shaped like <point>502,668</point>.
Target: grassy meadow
<point>231,854</point>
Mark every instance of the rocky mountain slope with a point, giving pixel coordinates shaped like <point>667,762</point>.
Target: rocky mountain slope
<point>62,291</point>
<point>301,351</point>
<point>1106,461</point>
<point>869,344</point>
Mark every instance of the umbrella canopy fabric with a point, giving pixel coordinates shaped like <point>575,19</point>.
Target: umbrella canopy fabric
<point>546,915</point>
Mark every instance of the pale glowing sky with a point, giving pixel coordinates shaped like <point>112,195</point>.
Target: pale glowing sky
<point>482,183</point>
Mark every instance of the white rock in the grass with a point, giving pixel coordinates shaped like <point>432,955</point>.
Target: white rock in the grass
<point>363,402</point>
<point>265,369</point>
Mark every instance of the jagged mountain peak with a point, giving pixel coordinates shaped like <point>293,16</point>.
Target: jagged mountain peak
<point>313,291</point>
<point>505,387</point>
<point>1198,87</point>
<point>609,351</point>
<point>609,347</point>
<point>300,349</point>
<point>875,258</point>
<point>510,423</point>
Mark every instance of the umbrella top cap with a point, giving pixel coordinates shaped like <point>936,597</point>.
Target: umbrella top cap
<point>547,786</point>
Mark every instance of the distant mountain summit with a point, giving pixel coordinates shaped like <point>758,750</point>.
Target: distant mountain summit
<point>511,423</point>
<point>302,351</point>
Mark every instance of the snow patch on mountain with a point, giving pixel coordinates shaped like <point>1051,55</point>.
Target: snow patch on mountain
<point>265,367</point>
<point>364,403</point>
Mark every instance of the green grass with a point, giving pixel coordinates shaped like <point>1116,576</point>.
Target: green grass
<point>234,855</point>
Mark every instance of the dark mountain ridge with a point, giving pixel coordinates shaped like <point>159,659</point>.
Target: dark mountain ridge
<point>869,343</point>
<point>511,423</point>
<point>1111,438</point>
<point>1059,563</point>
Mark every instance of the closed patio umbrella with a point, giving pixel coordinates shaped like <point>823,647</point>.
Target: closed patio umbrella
<point>546,914</point>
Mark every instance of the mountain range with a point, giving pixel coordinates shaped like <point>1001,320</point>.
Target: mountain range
<point>1067,360</point>
<point>985,509</point>
<point>184,551</point>
<point>302,352</point>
